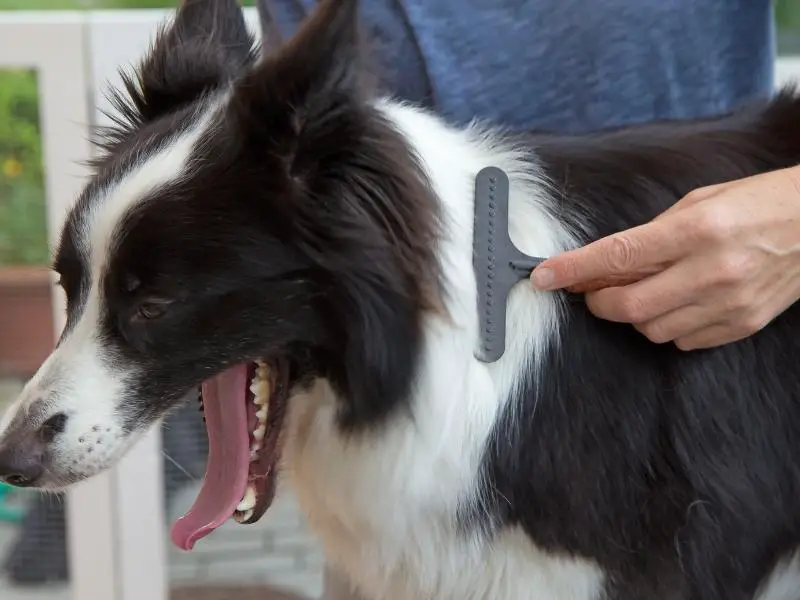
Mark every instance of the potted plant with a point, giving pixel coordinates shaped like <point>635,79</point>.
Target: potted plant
<point>26,318</point>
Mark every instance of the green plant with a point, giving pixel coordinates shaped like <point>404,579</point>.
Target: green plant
<point>787,14</point>
<point>23,232</point>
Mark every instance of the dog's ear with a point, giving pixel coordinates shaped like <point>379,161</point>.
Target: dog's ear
<point>206,45</point>
<point>324,57</point>
<point>301,83</point>
<point>379,353</point>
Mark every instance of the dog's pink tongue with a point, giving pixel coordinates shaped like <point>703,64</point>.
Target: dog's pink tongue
<point>224,403</point>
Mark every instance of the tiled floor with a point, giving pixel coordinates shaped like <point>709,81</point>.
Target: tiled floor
<point>277,551</point>
<point>231,593</point>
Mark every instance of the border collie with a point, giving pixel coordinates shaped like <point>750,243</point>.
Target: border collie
<point>263,226</point>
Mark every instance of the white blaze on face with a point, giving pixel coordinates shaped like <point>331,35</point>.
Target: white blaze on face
<point>83,378</point>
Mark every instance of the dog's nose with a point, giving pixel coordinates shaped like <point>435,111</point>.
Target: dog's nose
<point>22,460</point>
<point>22,456</point>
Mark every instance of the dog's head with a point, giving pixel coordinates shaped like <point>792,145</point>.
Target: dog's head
<point>247,207</point>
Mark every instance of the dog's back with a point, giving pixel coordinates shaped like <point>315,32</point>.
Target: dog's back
<point>690,462</point>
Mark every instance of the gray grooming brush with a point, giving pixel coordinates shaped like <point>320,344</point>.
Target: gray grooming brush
<point>497,262</point>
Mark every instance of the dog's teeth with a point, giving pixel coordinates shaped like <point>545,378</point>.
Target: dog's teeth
<point>249,500</point>
<point>261,415</point>
<point>242,517</point>
<point>258,434</point>
<point>254,451</point>
<point>261,393</point>
<point>245,516</point>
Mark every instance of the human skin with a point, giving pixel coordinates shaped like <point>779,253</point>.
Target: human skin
<point>716,267</point>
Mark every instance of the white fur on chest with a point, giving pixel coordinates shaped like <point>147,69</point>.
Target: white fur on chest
<point>385,503</point>
<point>384,507</point>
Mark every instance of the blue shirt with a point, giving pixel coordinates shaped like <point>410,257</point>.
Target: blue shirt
<point>567,65</point>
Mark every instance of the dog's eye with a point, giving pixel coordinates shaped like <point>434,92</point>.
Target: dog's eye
<point>151,309</point>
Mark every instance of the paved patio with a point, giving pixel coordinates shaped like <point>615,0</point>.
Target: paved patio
<point>277,551</point>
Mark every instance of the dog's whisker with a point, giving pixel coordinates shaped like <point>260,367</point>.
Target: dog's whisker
<point>179,466</point>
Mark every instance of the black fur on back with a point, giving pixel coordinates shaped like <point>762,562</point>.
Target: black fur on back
<point>678,472</point>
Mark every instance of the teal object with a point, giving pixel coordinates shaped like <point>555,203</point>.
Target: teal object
<point>7,513</point>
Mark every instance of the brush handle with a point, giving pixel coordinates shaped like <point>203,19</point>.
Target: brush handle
<point>602,283</point>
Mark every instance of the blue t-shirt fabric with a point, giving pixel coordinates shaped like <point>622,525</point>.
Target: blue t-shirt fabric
<point>566,65</point>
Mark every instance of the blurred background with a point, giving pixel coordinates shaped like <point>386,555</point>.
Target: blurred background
<point>35,548</point>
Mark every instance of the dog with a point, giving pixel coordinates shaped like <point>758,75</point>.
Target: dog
<point>267,227</point>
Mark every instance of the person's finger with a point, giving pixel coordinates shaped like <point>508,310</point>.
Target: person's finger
<point>710,337</point>
<point>592,285</point>
<point>676,324</point>
<point>631,251</point>
<point>693,197</point>
<point>738,327</point>
<point>653,297</point>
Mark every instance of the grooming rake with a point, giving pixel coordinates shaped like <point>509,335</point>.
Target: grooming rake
<point>499,264</point>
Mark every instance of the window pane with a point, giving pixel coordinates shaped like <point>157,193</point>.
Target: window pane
<point>787,15</point>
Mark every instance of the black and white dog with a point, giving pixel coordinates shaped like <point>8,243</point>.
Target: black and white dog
<point>266,227</point>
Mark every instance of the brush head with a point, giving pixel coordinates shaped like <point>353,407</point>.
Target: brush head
<point>497,262</point>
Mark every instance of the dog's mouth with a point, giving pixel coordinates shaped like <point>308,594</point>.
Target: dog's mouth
<point>244,408</point>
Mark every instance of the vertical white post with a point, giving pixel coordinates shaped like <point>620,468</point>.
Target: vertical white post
<point>119,39</point>
<point>54,45</point>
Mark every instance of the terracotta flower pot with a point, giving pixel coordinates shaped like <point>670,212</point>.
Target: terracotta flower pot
<point>26,320</point>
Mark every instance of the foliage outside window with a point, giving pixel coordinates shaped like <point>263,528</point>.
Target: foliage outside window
<point>23,236</point>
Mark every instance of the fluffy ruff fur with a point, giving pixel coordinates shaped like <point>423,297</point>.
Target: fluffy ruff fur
<point>248,206</point>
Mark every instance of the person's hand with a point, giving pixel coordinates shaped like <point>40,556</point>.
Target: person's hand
<point>716,267</point>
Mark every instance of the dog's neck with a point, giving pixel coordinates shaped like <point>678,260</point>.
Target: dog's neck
<point>436,448</point>
<point>451,158</point>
